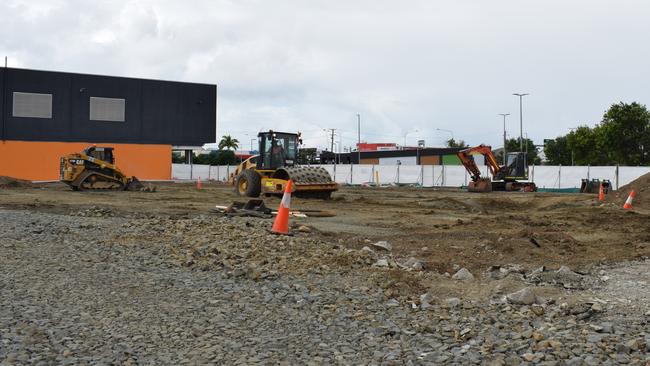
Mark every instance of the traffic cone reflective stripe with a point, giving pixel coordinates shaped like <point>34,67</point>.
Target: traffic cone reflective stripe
<point>601,194</point>
<point>286,199</point>
<point>198,184</point>
<point>281,223</point>
<point>628,202</point>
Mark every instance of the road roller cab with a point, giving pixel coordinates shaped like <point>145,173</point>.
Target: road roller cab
<point>268,172</point>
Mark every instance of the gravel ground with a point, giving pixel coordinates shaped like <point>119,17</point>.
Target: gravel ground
<point>95,288</point>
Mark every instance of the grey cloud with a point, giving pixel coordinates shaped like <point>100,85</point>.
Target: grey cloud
<point>299,65</point>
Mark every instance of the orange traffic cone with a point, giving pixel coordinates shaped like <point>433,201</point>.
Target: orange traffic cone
<point>601,193</point>
<point>281,223</point>
<point>628,201</point>
<point>198,183</point>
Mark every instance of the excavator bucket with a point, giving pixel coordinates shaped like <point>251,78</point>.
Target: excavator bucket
<point>481,185</point>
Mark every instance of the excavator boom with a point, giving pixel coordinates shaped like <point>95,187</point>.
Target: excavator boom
<point>465,157</point>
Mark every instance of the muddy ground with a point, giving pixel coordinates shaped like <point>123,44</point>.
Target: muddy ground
<point>66,253</point>
<point>444,228</point>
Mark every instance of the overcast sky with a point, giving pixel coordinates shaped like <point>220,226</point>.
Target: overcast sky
<point>407,67</point>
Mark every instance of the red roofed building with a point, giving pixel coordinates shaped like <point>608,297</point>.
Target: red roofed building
<point>364,146</point>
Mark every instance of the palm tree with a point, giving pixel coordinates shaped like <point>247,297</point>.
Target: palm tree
<point>228,142</point>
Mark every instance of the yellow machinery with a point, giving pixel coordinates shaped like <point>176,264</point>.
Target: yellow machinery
<point>268,172</point>
<point>94,168</point>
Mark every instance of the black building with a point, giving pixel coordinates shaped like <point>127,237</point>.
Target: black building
<point>58,106</point>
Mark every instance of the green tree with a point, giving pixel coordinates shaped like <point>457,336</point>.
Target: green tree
<point>625,133</point>
<point>512,145</point>
<point>221,157</point>
<point>227,142</point>
<point>557,151</point>
<point>453,143</point>
<point>306,156</point>
<point>177,158</point>
<point>586,146</point>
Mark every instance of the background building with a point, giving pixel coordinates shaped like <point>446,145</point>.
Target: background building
<point>45,115</point>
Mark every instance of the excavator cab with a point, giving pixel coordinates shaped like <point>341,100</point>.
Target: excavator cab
<point>517,166</point>
<point>277,150</point>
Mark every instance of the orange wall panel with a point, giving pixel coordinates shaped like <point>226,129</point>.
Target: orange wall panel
<point>374,161</point>
<point>33,160</point>
<point>430,160</point>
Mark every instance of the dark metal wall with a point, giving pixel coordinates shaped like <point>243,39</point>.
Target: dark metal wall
<point>2,115</point>
<point>156,112</point>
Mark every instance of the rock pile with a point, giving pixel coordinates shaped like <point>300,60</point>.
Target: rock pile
<point>114,290</point>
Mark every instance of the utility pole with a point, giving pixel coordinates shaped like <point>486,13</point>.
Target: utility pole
<point>521,118</point>
<point>358,138</point>
<point>526,145</point>
<point>332,130</point>
<point>504,136</point>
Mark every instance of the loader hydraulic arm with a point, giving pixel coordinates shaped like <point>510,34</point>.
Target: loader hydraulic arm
<point>466,158</point>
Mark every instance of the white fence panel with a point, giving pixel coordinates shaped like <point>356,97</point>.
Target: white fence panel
<point>409,174</point>
<point>180,171</point>
<point>200,171</point>
<point>455,176</point>
<point>222,173</point>
<point>362,174</point>
<point>545,176</point>
<point>215,172</point>
<point>387,173</point>
<point>572,176</point>
<point>342,174</point>
<point>428,175</point>
<point>439,176</point>
<point>626,174</point>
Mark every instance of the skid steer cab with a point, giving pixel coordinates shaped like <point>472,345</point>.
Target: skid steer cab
<point>268,172</point>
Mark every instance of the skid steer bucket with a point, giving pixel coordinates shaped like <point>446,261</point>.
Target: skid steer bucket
<point>134,184</point>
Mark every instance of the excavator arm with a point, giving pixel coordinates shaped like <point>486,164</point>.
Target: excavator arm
<point>465,157</point>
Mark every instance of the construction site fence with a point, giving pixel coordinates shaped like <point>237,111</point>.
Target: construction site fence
<point>544,176</point>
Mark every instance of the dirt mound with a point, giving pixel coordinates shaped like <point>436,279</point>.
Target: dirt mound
<point>641,187</point>
<point>10,182</point>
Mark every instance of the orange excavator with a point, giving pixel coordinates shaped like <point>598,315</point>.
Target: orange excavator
<point>504,178</point>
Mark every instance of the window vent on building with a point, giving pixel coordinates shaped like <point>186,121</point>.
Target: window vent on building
<point>32,105</point>
<point>107,109</point>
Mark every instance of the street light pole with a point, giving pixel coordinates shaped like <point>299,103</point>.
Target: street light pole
<point>504,136</point>
<point>521,119</point>
<point>252,140</point>
<point>406,134</point>
<point>359,138</point>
